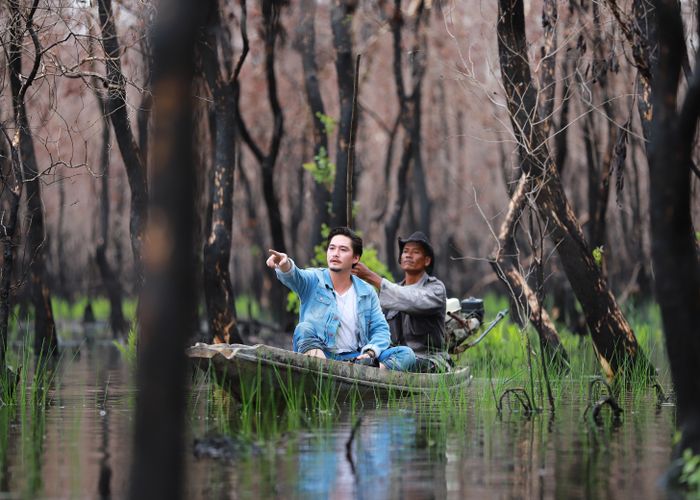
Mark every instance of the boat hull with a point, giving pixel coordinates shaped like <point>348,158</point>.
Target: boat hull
<point>285,374</point>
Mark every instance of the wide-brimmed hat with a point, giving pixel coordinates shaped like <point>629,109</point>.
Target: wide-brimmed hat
<point>419,237</point>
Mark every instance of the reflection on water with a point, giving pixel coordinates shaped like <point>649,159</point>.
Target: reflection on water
<point>81,447</point>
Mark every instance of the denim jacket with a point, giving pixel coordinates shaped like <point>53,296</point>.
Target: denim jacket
<point>319,307</point>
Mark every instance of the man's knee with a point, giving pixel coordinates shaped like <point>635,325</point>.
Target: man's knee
<point>399,358</point>
<point>306,338</point>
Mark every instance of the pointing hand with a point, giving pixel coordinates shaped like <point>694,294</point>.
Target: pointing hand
<point>278,260</point>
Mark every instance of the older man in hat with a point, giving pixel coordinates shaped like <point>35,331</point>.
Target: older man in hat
<point>415,307</point>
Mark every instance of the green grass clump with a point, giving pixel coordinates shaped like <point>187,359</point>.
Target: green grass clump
<point>129,350</point>
<point>503,358</point>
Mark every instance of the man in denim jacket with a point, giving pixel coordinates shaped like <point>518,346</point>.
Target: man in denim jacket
<point>340,317</point>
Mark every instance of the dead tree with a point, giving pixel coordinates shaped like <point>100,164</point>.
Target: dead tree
<point>410,120</point>
<point>11,175</point>
<point>271,29</point>
<point>131,154</point>
<point>505,258</point>
<point>110,280</point>
<point>22,22</point>
<point>268,160</point>
<point>222,79</point>
<point>674,245</point>
<point>528,304</point>
<point>168,301</point>
<point>342,15</point>
<point>306,45</point>
<point>613,339</point>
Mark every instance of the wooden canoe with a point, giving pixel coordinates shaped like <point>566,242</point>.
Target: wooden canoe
<point>279,372</point>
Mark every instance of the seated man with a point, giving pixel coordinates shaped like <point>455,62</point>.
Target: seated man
<point>340,317</point>
<point>414,308</point>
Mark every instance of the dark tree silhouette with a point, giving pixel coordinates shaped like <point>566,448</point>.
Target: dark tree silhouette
<point>168,301</point>
<point>674,243</point>
<point>342,15</point>
<point>222,78</point>
<point>410,121</point>
<point>306,45</point>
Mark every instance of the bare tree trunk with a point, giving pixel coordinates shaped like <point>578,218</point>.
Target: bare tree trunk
<point>527,303</point>
<point>133,161</point>
<point>410,120</point>
<point>11,177</point>
<point>267,161</point>
<point>223,83</point>
<point>342,15</point>
<point>306,44</point>
<point>168,302</point>
<point>61,262</point>
<point>612,336</point>
<point>674,245</point>
<point>45,339</point>
<point>117,322</point>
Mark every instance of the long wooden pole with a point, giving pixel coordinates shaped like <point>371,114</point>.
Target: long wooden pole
<point>351,146</point>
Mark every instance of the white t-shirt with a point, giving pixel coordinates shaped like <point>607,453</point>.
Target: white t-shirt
<point>346,339</point>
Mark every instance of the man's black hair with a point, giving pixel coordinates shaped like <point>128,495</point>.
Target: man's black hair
<point>354,238</point>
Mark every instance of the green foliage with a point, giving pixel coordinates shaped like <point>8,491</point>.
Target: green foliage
<point>369,258</point>
<point>329,122</point>
<point>74,310</point>
<point>690,474</point>
<point>322,169</point>
<point>129,350</point>
<point>598,255</point>
<point>247,307</point>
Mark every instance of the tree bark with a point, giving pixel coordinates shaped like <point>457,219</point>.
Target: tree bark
<point>133,161</point>
<point>167,310</point>
<point>45,339</point>
<point>613,339</point>
<point>222,79</point>
<point>674,245</point>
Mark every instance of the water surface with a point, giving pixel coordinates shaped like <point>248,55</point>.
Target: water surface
<point>81,447</point>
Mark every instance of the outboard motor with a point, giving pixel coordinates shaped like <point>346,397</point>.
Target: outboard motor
<point>463,319</point>
<point>473,308</point>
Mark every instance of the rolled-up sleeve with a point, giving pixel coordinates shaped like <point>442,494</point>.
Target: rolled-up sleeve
<point>428,298</point>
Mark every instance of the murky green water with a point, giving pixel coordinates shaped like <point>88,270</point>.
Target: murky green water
<point>82,446</point>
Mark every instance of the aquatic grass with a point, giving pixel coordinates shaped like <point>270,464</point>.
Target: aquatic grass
<point>7,414</point>
<point>32,402</point>
<point>129,351</point>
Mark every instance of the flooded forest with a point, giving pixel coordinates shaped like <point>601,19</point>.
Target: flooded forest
<point>540,153</point>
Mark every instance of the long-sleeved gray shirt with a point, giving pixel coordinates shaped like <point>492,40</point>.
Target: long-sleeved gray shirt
<point>415,313</point>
